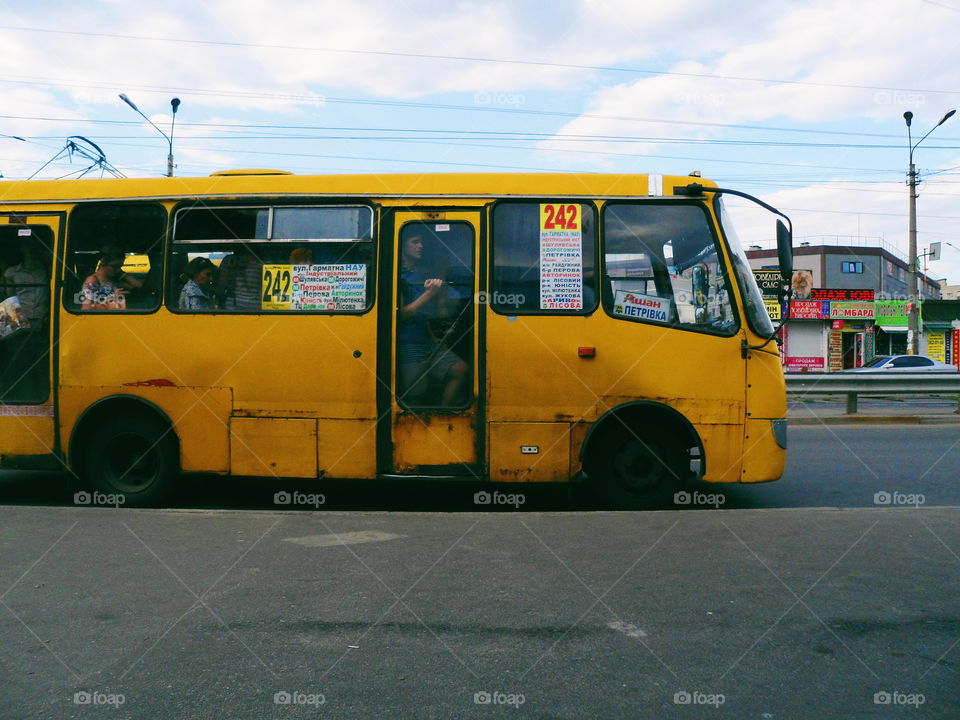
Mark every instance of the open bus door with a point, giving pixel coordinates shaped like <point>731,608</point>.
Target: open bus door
<point>28,251</point>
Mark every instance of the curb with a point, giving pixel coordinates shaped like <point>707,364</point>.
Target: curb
<point>876,420</point>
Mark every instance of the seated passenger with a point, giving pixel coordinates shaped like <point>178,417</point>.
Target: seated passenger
<point>196,293</point>
<point>301,256</point>
<point>106,288</point>
<point>240,280</point>
<point>29,280</point>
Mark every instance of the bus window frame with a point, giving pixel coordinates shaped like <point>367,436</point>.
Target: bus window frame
<point>492,241</point>
<point>719,243</point>
<point>273,203</point>
<point>69,251</point>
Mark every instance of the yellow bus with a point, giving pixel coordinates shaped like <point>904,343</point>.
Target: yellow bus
<point>495,327</point>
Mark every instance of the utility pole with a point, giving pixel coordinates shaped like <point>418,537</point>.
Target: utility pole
<point>913,293</point>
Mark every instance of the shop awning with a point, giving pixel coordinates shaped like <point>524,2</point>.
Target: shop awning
<point>893,328</point>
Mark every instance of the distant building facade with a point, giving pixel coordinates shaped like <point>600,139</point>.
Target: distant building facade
<point>849,303</point>
<point>949,292</point>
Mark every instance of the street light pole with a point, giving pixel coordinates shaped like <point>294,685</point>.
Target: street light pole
<point>913,297</point>
<point>174,104</point>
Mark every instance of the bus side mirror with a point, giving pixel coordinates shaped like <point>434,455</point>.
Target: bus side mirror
<point>785,250</point>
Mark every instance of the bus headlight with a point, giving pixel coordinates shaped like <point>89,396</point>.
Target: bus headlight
<point>780,432</point>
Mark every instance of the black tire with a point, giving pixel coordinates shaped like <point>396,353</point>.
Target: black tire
<point>634,469</point>
<point>133,455</point>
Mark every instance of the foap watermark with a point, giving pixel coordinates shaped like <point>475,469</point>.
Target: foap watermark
<point>708,99</point>
<point>495,697</point>
<point>498,498</point>
<point>698,498</point>
<point>485,97</point>
<point>500,299</point>
<point>297,697</point>
<point>98,498</point>
<point>898,498</point>
<point>85,697</point>
<point>898,97</point>
<point>696,697</point>
<point>895,697</point>
<point>314,500</point>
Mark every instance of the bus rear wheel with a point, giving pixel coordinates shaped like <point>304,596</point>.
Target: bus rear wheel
<point>637,470</point>
<point>133,456</point>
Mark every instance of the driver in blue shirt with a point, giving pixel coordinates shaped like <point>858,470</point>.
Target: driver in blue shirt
<point>423,364</point>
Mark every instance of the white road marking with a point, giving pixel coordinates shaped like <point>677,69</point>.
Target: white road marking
<point>349,538</point>
<point>631,631</point>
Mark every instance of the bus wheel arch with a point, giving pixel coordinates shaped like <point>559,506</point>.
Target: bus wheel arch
<point>638,454</point>
<point>126,444</point>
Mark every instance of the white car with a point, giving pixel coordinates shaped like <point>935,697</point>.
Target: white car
<point>904,364</point>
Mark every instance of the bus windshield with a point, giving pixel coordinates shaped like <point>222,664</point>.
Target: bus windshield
<point>755,309</point>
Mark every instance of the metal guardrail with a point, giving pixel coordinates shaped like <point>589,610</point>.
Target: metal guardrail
<point>855,384</point>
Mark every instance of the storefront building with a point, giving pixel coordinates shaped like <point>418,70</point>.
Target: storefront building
<point>941,330</point>
<point>849,305</point>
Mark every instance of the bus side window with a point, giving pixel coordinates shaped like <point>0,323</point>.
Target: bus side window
<point>542,265</point>
<point>662,266</point>
<point>272,259</point>
<point>132,231</point>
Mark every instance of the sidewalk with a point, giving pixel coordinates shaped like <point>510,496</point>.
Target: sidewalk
<point>832,410</point>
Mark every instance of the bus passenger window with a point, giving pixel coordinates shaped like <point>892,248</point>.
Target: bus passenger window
<point>268,259</point>
<point>435,315</point>
<point>544,258</point>
<point>115,257</point>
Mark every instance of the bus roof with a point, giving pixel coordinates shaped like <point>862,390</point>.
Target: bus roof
<point>258,183</point>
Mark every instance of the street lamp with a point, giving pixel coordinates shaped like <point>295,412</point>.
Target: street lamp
<point>913,298</point>
<point>174,104</point>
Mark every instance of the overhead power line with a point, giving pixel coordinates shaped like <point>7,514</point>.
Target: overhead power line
<point>468,58</point>
<point>406,104</point>
<point>543,136</point>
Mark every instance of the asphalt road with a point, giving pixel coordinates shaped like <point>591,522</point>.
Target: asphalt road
<point>770,604</point>
<point>768,614</point>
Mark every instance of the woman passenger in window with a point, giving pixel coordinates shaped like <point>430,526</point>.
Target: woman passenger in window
<point>196,293</point>
<point>106,288</point>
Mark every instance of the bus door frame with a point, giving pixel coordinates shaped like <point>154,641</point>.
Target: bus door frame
<point>56,220</point>
<point>389,413</point>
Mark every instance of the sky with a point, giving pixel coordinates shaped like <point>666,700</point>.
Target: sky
<point>799,103</point>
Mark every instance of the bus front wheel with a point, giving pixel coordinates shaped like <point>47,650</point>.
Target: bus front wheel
<point>133,456</point>
<point>637,470</point>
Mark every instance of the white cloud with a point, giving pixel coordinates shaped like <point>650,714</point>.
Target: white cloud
<point>824,42</point>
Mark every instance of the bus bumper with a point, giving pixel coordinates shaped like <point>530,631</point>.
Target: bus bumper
<point>764,449</point>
